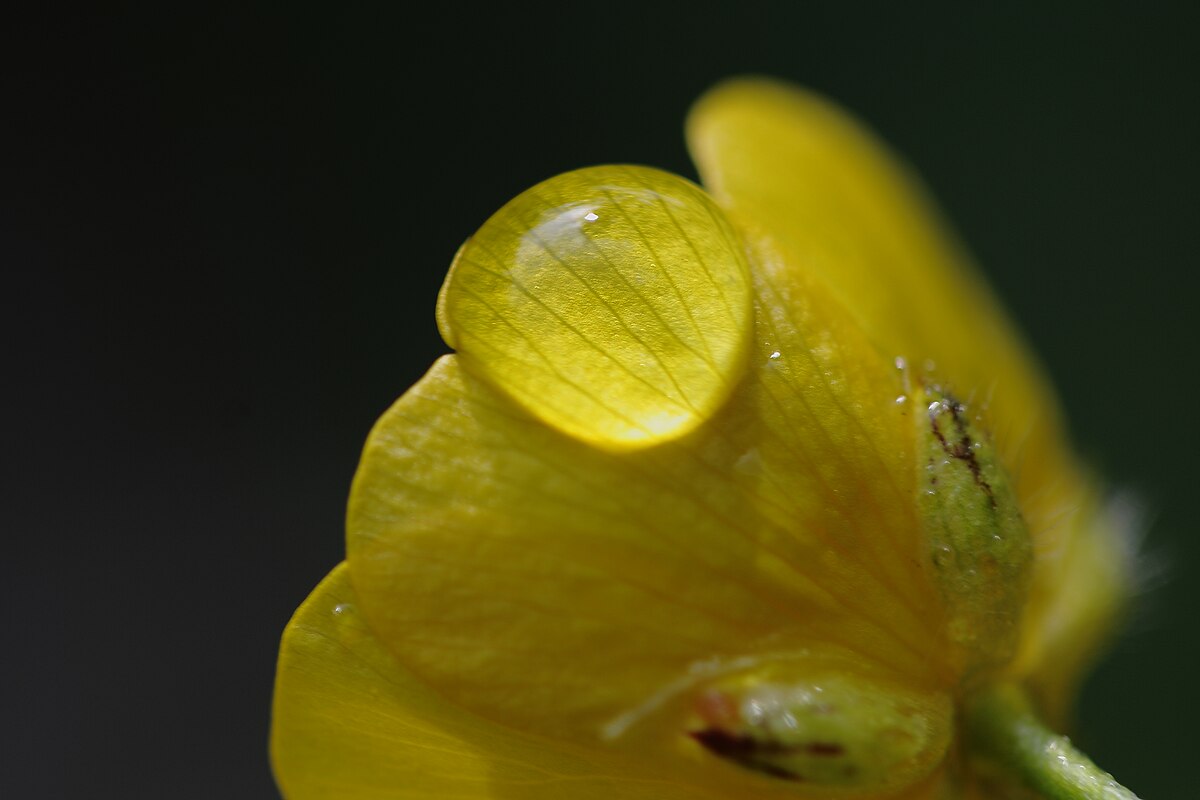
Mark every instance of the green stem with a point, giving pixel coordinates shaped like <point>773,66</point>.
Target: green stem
<point>1002,728</point>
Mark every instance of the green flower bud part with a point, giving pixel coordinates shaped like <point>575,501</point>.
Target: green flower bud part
<point>979,547</point>
<point>827,730</point>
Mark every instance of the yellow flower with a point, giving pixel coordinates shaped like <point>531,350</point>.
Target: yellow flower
<point>727,495</point>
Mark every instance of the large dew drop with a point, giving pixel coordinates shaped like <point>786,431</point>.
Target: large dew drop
<point>612,302</point>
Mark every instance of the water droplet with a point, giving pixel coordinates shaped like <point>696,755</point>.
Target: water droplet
<point>901,363</point>
<point>775,355</point>
<point>657,293</point>
<point>342,608</point>
<point>901,400</point>
<point>750,462</point>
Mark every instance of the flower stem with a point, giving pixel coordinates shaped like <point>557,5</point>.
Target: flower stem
<point>1002,728</point>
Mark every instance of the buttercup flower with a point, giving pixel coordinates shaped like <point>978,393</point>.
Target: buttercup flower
<point>751,493</point>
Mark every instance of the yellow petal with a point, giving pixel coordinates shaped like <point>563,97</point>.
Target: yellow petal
<point>588,593</point>
<point>350,724</point>
<point>808,179</point>
<point>839,206</point>
<point>611,302</point>
<point>1075,619</point>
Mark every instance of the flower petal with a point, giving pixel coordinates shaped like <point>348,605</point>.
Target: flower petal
<point>612,302</point>
<point>583,592</point>
<point>350,724</point>
<point>1073,620</point>
<point>835,204</point>
<point>839,206</point>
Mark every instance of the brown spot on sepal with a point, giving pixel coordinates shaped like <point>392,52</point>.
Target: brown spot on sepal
<point>742,750</point>
<point>979,548</point>
<point>964,448</point>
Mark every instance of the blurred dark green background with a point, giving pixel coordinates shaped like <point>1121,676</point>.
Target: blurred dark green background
<point>224,229</point>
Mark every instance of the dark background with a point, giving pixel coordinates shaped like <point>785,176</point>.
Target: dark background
<point>223,232</point>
